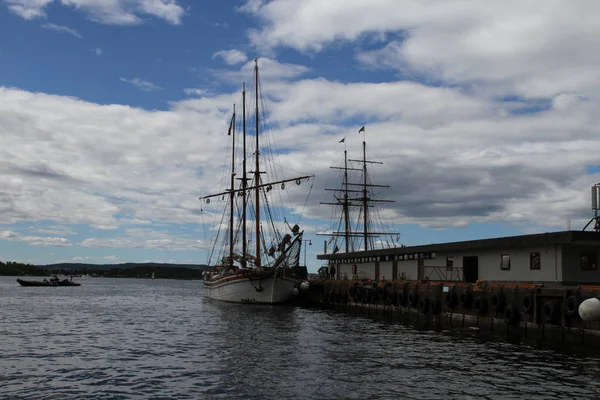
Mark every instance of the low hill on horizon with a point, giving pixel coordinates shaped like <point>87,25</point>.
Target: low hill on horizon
<point>128,265</point>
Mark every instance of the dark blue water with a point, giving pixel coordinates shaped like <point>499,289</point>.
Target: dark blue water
<point>159,339</point>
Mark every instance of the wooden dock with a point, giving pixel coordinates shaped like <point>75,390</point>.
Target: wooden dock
<point>527,312</point>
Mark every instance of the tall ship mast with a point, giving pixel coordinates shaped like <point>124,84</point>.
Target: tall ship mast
<point>254,261</point>
<point>359,226</point>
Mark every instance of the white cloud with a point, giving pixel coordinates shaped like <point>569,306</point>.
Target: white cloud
<point>331,102</point>
<point>52,230</point>
<point>168,10</point>
<point>194,91</point>
<point>452,157</point>
<point>98,51</point>
<point>567,101</point>
<point>34,240</point>
<point>251,6</point>
<point>146,86</point>
<point>28,9</point>
<point>270,69</point>
<point>115,12</point>
<point>500,47</point>
<point>231,57</point>
<point>145,239</point>
<point>100,162</point>
<point>64,29</point>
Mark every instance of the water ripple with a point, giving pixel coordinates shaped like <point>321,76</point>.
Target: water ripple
<point>156,339</point>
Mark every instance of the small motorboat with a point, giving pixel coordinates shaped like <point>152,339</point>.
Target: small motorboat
<point>45,282</point>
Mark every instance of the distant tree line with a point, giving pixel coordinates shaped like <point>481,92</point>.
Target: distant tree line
<point>12,268</point>
<point>129,270</point>
<point>159,273</point>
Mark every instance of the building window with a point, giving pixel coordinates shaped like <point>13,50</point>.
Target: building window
<point>535,261</point>
<point>449,261</point>
<point>505,261</point>
<point>589,261</point>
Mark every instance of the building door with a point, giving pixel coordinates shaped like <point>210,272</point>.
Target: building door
<point>470,269</point>
<point>376,270</point>
<point>420,273</point>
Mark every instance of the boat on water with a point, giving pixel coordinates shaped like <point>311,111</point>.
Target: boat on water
<point>256,251</point>
<point>359,226</point>
<point>45,282</point>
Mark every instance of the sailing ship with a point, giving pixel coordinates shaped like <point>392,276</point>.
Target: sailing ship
<point>254,261</point>
<point>359,226</point>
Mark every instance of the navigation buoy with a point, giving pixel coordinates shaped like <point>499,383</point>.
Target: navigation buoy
<point>589,310</point>
<point>304,286</point>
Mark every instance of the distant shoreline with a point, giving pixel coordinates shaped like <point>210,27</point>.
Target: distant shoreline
<point>125,270</point>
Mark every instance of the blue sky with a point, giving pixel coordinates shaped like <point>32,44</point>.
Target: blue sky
<point>485,116</point>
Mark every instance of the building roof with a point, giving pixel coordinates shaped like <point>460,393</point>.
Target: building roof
<point>538,239</point>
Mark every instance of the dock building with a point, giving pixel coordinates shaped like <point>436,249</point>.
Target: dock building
<point>566,257</point>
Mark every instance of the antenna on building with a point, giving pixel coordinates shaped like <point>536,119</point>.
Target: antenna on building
<point>595,208</point>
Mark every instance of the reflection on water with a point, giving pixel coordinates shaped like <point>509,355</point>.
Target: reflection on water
<point>142,339</point>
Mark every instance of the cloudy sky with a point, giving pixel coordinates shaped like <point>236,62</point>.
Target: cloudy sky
<point>484,113</point>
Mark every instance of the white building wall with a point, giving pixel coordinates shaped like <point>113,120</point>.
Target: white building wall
<point>344,269</point>
<point>364,271</point>
<point>552,260</point>
<point>410,268</point>
<point>572,271</point>
<point>386,269</point>
<point>489,264</point>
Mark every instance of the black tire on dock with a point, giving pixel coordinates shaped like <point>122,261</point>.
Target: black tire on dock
<point>357,294</point>
<point>497,301</point>
<point>450,299</point>
<point>402,297</point>
<point>511,315</point>
<point>367,296</point>
<point>352,291</point>
<point>413,298</point>
<point>527,303</point>
<point>392,297</point>
<point>435,306</point>
<point>549,311</point>
<point>424,305</point>
<point>480,305</point>
<point>345,298</point>
<point>572,306</point>
<point>466,297</point>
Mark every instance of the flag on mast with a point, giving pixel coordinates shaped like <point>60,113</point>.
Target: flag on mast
<point>361,129</point>
<point>230,125</point>
<point>342,141</point>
